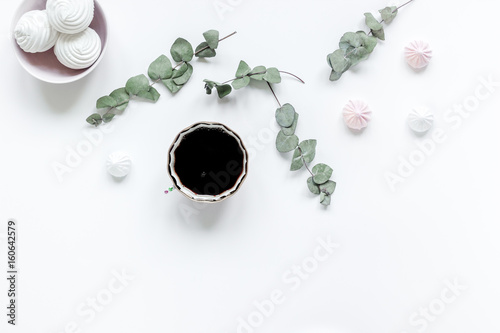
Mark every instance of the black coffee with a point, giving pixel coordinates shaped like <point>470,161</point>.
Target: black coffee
<point>208,161</point>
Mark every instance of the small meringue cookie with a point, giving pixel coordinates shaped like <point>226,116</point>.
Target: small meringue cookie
<point>80,50</point>
<point>70,16</point>
<point>418,54</point>
<point>420,119</point>
<point>356,114</point>
<point>118,164</point>
<point>34,33</point>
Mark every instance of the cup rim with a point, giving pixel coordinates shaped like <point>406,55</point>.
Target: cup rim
<point>205,197</point>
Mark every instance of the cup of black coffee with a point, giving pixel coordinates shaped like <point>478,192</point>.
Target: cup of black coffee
<point>207,162</point>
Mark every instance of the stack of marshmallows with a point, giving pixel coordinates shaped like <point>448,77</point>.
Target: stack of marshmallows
<point>64,24</point>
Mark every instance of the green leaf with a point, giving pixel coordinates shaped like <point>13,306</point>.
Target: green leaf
<point>94,119</point>
<point>272,75</point>
<point>108,117</point>
<point>259,69</point>
<point>240,83</point>
<point>297,162</point>
<point>372,22</point>
<point>291,130</point>
<point>334,76</point>
<point>325,199</point>
<point>181,50</point>
<point>223,90</point>
<point>180,71</point>
<point>169,83</point>
<point>285,115</point>
<point>286,143</point>
<point>181,80</point>
<point>243,69</point>
<point>328,187</point>
<point>388,13</point>
<point>207,51</point>
<point>368,42</point>
<point>314,188</point>
<point>209,85</point>
<point>212,38</point>
<point>152,94</point>
<point>349,41</point>
<point>161,68</point>
<point>106,102</point>
<point>122,98</point>
<point>338,61</point>
<point>136,84</point>
<point>322,173</point>
<point>308,148</point>
<point>380,34</point>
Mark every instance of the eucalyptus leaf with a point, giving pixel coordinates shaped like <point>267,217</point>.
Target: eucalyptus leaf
<point>106,102</point>
<point>223,90</point>
<point>388,13</point>
<point>152,94</point>
<point>291,130</point>
<point>108,117</point>
<point>209,85</point>
<point>94,119</point>
<point>286,143</point>
<point>338,61</point>
<point>368,42</point>
<point>122,98</point>
<point>308,148</point>
<point>314,188</point>
<point>334,76</point>
<point>297,162</point>
<point>136,84</point>
<point>185,76</point>
<point>322,173</point>
<point>325,199</point>
<point>329,187</point>
<point>212,38</point>
<point>161,68</point>
<point>380,34</point>
<point>169,83</point>
<point>204,51</point>
<point>240,83</point>
<point>372,22</point>
<point>272,75</point>
<point>261,70</point>
<point>349,41</point>
<point>181,50</point>
<point>180,71</point>
<point>285,115</point>
<point>243,69</point>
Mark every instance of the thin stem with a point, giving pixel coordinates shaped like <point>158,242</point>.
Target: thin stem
<point>220,40</point>
<point>295,76</point>
<point>403,5</point>
<point>277,100</point>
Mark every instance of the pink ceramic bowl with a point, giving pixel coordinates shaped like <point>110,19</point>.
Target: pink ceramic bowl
<point>45,66</point>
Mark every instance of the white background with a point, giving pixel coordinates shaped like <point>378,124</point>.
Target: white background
<point>200,274</point>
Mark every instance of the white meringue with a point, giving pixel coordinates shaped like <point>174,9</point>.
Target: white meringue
<point>70,16</point>
<point>118,164</point>
<point>34,33</point>
<point>80,50</point>
<point>420,119</point>
<point>418,54</point>
<point>356,114</point>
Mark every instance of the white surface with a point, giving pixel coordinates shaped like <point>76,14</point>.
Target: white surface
<point>396,248</point>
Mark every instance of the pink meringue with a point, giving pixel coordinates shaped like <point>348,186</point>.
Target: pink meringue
<point>356,114</point>
<point>418,54</point>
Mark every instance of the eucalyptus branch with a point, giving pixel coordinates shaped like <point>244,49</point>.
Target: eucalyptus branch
<point>355,47</point>
<point>304,152</point>
<point>160,70</point>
